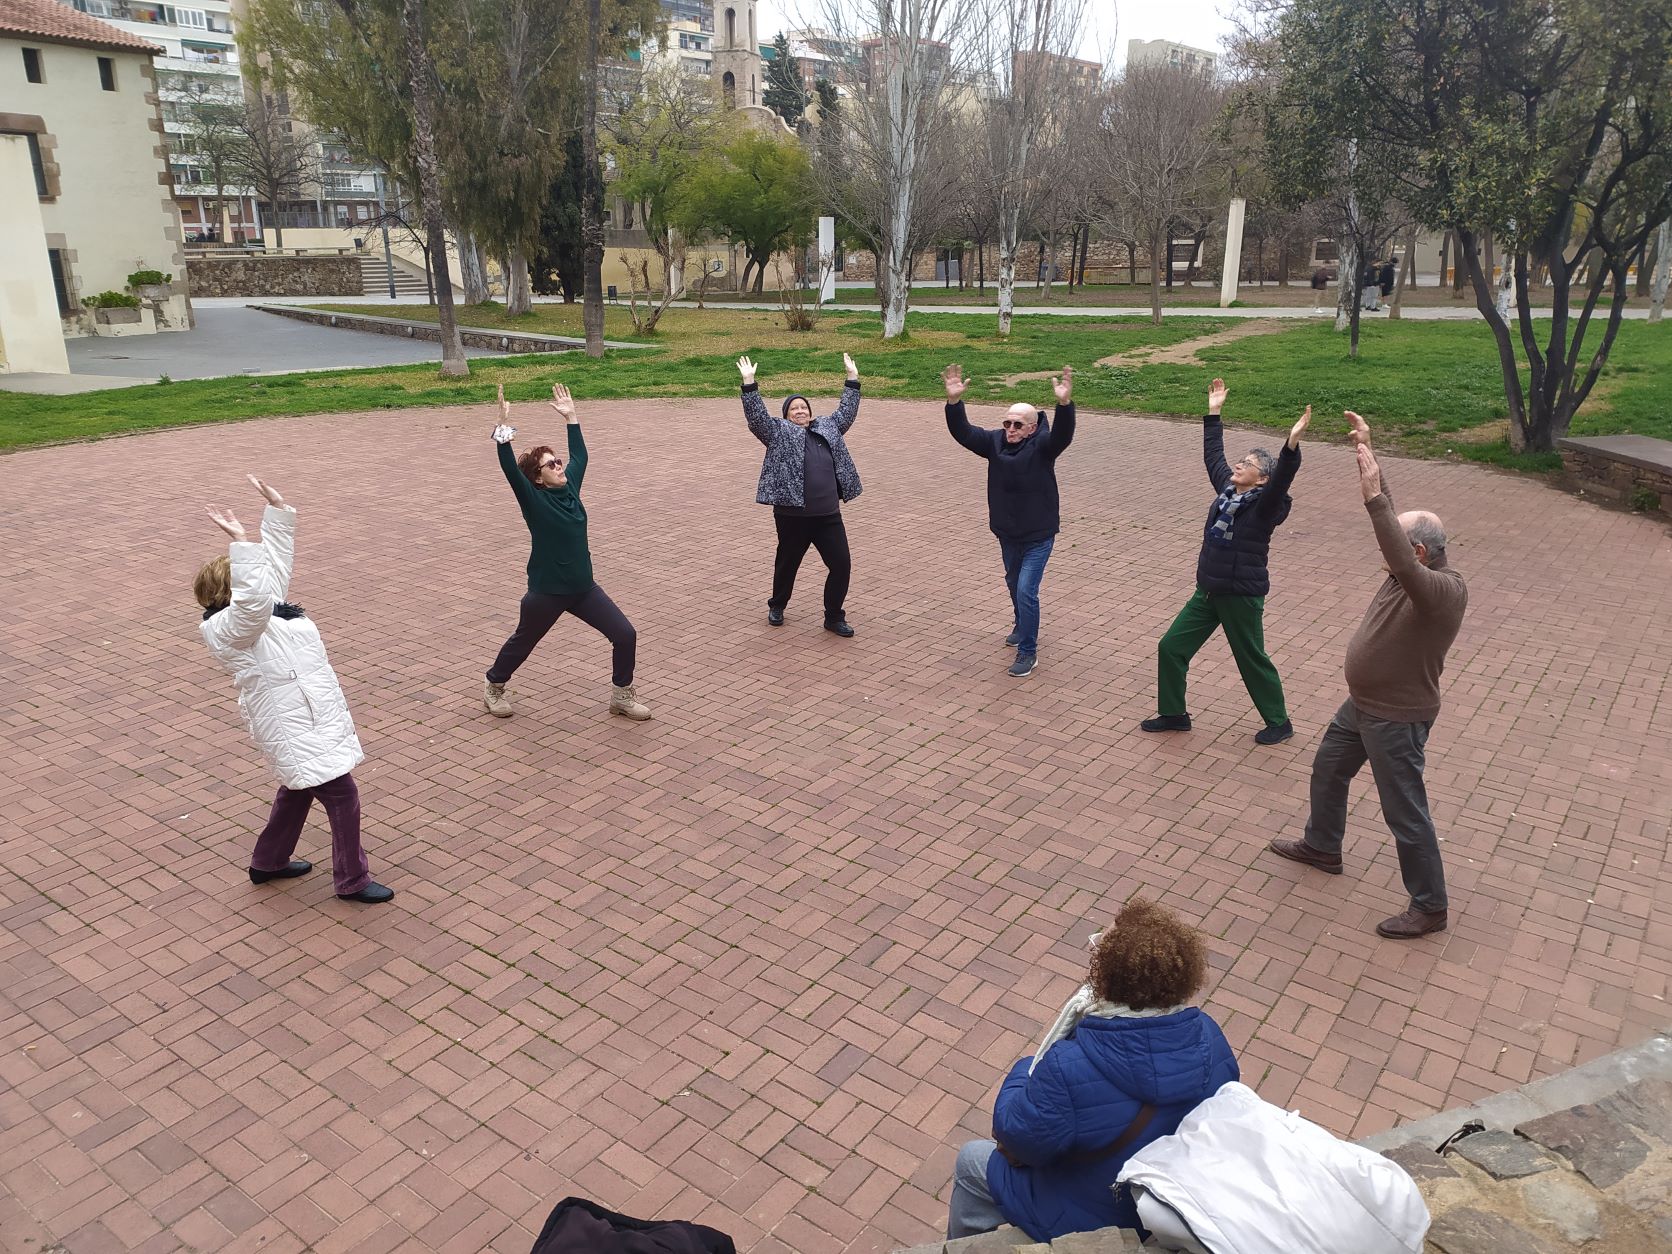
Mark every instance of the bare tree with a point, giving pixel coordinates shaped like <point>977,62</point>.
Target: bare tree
<point>915,56</point>
<point>1028,46</point>
<point>214,132</point>
<point>267,155</point>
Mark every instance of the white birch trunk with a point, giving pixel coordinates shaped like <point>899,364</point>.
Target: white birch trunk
<point>1009,227</point>
<point>1663,272</point>
<point>473,275</point>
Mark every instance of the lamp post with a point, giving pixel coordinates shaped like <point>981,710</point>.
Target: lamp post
<point>383,221</point>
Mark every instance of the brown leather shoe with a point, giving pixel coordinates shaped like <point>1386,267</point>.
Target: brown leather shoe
<point>1300,851</point>
<point>1412,924</point>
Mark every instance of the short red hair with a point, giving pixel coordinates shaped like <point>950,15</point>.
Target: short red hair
<point>529,462</point>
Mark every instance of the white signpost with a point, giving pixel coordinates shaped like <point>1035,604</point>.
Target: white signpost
<point>1233,252</point>
<point>827,260</point>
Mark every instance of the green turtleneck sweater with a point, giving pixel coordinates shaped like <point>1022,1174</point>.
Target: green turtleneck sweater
<point>560,563</point>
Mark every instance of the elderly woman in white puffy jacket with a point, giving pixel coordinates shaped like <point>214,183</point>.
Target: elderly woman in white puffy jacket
<point>289,698</point>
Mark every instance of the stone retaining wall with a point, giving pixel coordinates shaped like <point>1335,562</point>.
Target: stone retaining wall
<point>472,337</point>
<point>1631,471</point>
<point>274,276</point>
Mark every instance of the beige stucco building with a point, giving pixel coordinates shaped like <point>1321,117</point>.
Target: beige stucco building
<point>85,192</point>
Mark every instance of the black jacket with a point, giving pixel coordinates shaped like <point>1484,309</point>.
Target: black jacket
<point>1238,568</point>
<point>578,1226</point>
<point>1022,504</point>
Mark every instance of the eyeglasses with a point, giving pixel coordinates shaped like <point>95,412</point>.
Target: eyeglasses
<point>551,465</point>
<point>1014,424</point>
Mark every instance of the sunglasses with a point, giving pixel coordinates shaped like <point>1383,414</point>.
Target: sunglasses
<point>1014,424</point>
<point>551,465</point>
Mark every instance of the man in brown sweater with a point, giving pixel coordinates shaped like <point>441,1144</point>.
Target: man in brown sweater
<point>1393,695</point>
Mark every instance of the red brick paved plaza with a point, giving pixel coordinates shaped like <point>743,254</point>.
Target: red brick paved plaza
<point>763,960</point>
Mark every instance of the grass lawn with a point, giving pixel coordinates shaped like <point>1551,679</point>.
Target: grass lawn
<point>1431,388</point>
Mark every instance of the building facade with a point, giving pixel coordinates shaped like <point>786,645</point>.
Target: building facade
<point>85,197</point>
<point>1166,52</point>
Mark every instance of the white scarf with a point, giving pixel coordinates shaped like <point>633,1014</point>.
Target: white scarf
<point>1086,1004</point>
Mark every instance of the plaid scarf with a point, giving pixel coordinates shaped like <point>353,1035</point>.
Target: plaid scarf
<point>1226,507</point>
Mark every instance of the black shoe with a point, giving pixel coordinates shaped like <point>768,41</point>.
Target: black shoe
<point>1013,639</point>
<point>1166,722</point>
<point>1274,734</point>
<point>774,616</point>
<point>1023,665</point>
<point>839,626</point>
<point>371,894</point>
<point>298,867</point>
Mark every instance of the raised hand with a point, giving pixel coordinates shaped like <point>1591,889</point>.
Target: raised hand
<point>228,522</point>
<point>1063,385</point>
<point>1361,428</point>
<point>1370,474</point>
<point>563,402</point>
<point>746,368</point>
<point>269,491</point>
<point>1296,431</point>
<point>852,368</point>
<point>1216,396</point>
<point>953,377</point>
<point>503,431</point>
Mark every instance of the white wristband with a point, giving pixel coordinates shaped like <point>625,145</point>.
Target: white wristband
<point>503,434</point>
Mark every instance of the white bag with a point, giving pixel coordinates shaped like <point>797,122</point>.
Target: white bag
<point>1252,1178</point>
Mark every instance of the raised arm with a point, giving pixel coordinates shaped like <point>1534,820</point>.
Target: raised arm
<point>1061,434</point>
<point>1213,438</point>
<point>503,434</point>
<point>260,574</point>
<point>847,412</point>
<point>1425,587</point>
<point>564,404</point>
<point>1360,432</point>
<point>976,439</point>
<point>754,408</point>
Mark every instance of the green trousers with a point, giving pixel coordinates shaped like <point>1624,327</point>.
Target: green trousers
<point>1243,621</point>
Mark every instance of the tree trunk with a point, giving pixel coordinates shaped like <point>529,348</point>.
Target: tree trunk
<point>422,73</point>
<point>519,293</point>
<point>1167,259</point>
<point>981,265</point>
<point>760,271</point>
<point>1445,243</point>
<point>1347,286</point>
<point>1663,271</point>
<point>472,274</point>
<point>1048,261</point>
<point>278,231</point>
<point>1156,234</point>
<point>1407,272</point>
<point>1466,256</point>
<point>1007,270</point>
<point>1647,264</point>
<point>1132,262</point>
<point>898,292</point>
<point>592,194</point>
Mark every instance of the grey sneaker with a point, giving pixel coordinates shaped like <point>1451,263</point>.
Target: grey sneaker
<point>1023,665</point>
<point>494,698</point>
<point>1013,639</point>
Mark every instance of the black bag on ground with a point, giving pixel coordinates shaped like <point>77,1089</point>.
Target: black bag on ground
<point>577,1226</point>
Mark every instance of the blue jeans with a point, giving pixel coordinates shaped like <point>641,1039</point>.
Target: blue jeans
<point>1024,568</point>
<point>971,1208</point>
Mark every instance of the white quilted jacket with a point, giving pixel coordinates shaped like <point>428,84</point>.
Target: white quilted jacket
<point>287,691</point>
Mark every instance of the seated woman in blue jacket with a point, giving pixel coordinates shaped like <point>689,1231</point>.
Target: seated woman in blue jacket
<point>1124,1063</point>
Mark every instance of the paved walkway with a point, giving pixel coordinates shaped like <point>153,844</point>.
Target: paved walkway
<point>763,960</point>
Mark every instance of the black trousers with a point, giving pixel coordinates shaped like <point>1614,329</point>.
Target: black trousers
<point>830,537</point>
<point>540,610</point>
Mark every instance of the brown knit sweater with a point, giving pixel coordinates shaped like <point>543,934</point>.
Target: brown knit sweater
<point>1395,659</point>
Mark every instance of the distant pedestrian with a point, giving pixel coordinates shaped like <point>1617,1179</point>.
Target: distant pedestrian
<point>288,696</point>
<point>1022,501</point>
<point>1370,287</point>
<point>807,474</point>
<point>1386,276</point>
<point>1394,663</point>
<point>547,486</point>
<point>1232,579</point>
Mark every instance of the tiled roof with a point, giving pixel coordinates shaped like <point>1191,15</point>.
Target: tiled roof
<point>52,22</point>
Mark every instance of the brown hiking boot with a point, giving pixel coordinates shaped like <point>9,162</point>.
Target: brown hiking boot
<point>494,698</point>
<point>1412,924</point>
<point>1300,851</point>
<point>625,702</point>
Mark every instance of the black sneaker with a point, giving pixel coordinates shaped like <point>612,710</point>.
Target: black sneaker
<point>839,626</point>
<point>371,894</point>
<point>290,872</point>
<point>1023,665</point>
<point>1274,734</point>
<point>1166,722</point>
<point>1013,639</point>
<point>774,616</point>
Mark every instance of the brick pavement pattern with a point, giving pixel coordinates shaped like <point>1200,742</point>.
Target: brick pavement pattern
<point>762,961</point>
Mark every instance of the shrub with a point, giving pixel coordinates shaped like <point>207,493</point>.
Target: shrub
<point>111,300</point>
<point>143,278</point>
<point>1645,500</point>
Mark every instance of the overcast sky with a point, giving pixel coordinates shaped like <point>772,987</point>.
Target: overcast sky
<point>1199,23</point>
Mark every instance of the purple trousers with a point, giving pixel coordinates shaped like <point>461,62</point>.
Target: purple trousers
<point>341,799</point>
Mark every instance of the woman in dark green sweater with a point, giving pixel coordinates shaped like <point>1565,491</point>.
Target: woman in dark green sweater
<point>548,490</point>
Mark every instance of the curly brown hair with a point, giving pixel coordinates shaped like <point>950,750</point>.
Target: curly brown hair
<point>1148,958</point>
<point>529,462</point>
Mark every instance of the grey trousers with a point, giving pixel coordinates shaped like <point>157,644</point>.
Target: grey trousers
<point>971,1208</point>
<point>1395,754</point>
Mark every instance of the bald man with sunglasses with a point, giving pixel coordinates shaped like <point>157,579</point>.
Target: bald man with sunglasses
<point>1022,502</point>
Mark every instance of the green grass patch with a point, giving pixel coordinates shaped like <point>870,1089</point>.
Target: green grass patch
<point>1430,388</point>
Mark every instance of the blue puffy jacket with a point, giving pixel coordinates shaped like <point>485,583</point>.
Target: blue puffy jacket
<point>1084,1094</point>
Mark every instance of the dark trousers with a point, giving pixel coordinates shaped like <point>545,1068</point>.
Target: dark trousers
<point>829,536</point>
<point>1395,754</point>
<point>541,609</point>
<point>277,842</point>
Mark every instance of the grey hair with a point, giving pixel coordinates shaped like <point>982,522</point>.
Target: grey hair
<point>1265,462</point>
<point>1427,531</point>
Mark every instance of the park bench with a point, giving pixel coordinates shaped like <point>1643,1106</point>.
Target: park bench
<point>1633,471</point>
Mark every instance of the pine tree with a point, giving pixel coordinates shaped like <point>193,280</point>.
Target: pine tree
<point>784,94</point>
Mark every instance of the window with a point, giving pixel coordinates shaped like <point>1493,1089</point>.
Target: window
<point>32,65</point>
<point>731,28</point>
<point>60,281</point>
<point>36,161</point>
<point>196,19</point>
<point>107,73</point>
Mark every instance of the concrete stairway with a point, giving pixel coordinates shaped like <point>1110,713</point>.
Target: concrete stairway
<point>374,274</point>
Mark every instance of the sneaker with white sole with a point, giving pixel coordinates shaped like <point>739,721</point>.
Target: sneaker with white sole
<point>494,698</point>
<point>1023,665</point>
<point>625,702</point>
